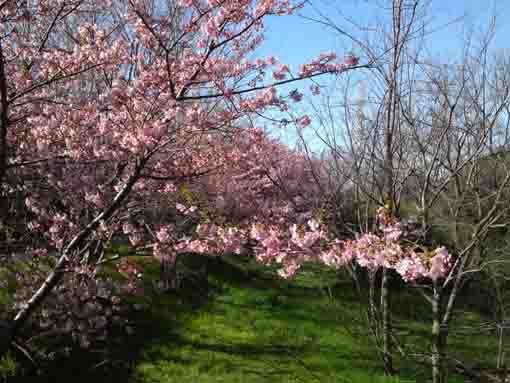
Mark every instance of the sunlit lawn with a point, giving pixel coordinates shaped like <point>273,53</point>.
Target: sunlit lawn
<point>244,325</point>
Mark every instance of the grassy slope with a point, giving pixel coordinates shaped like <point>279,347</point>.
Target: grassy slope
<point>246,326</point>
<point>257,329</point>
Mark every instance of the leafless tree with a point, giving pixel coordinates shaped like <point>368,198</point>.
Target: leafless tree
<point>429,141</point>
<point>374,140</point>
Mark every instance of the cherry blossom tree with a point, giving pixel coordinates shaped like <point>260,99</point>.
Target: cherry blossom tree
<point>107,105</point>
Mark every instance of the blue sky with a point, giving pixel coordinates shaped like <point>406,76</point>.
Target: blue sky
<point>295,40</point>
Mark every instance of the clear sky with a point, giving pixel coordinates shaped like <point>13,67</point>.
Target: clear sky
<point>295,40</point>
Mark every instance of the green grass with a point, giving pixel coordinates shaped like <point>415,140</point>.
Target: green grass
<point>241,324</point>
<point>258,329</point>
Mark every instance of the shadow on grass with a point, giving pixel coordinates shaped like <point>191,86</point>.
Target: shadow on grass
<point>161,323</point>
<point>262,360</point>
<point>236,324</point>
<point>255,331</point>
<point>114,360</point>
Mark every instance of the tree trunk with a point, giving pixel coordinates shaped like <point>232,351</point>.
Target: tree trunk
<point>386,324</point>
<point>372,309</point>
<point>438,340</point>
<point>4,119</point>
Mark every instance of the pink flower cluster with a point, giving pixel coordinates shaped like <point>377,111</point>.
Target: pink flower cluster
<point>208,239</point>
<point>410,265</point>
<point>414,267</point>
<point>310,242</point>
<point>288,247</point>
<point>326,62</point>
<point>86,307</point>
<point>383,250</point>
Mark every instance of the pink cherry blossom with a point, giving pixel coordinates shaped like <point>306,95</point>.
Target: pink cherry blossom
<point>296,96</point>
<point>304,121</point>
<point>115,124</point>
<point>440,264</point>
